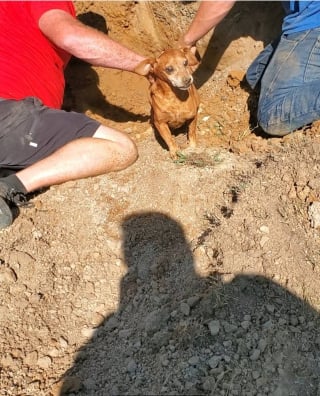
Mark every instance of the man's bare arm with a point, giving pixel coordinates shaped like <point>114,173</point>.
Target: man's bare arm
<point>86,43</point>
<point>208,16</point>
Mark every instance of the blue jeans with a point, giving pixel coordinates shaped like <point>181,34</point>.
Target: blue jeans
<point>290,82</point>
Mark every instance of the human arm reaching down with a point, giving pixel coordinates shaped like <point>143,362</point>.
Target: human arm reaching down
<point>208,16</point>
<point>85,42</point>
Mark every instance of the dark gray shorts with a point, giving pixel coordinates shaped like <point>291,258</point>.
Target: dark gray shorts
<point>30,131</point>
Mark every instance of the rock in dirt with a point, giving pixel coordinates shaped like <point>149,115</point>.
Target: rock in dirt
<point>66,386</point>
<point>235,77</point>
<point>7,275</point>
<point>314,214</point>
<point>214,327</point>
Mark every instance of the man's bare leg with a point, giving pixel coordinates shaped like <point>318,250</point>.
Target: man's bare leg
<point>108,150</point>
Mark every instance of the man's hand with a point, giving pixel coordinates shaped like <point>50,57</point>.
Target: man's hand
<point>181,45</point>
<point>208,16</point>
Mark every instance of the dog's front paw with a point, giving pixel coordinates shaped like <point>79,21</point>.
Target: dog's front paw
<point>174,150</point>
<point>180,158</point>
<point>174,155</point>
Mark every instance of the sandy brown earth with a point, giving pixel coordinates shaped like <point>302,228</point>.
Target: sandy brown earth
<point>194,277</point>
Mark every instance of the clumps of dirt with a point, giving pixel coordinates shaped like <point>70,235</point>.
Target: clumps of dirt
<point>235,78</point>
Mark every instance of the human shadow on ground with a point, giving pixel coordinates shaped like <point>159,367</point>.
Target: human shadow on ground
<point>82,91</point>
<point>176,333</point>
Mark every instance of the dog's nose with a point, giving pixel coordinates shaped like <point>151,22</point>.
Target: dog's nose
<point>187,80</point>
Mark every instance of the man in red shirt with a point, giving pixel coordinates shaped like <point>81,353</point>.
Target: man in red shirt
<point>43,144</point>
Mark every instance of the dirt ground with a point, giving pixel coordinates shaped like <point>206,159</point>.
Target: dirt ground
<point>193,277</point>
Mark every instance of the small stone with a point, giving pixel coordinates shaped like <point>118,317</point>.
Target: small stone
<point>66,386</point>
<point>111,323</point>
<point>262,344</point>
<point>22,259</point>
<point>7,361</point>
<point>192,301</point>
<point>174,313</point>
<point>235,77</point>
<point>164,361</point>
<point>185,308</point>
<point>270,308</point>
<point>53,352</point>
<point>63,342</point>
<point>229,327</point>
<point>194,360</point>
<point>255,374</point>
<point>264,229</point>
<point>125,333</point>
<point>293,320</point>
<point>208,383</point>
<point>245,324</point>
<point>214,361</point>
<point>314,214</point>
<point>292,194</point>
<point>255,354</point>
<point>227,358</point>
<point>267,325</point>
<point>156,320</point>
<point>263,240</point>
<point>214,327</point>
<point>97,319</point>
<point>282,321</point>
<point>31,358</point>
<point>131,366</point>
<point>7,275</point>
<point>88,332</point>
<point>44,362</point>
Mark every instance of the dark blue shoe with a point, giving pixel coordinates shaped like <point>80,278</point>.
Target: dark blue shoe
<point>6,217</point>
<point>9,197</point>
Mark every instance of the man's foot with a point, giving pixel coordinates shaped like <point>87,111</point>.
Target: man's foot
<point>9,197</point>
<point>6,217</point>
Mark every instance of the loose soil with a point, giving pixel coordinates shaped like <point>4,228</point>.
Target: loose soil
<point>193,277</point>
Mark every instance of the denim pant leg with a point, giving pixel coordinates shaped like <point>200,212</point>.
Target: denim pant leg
<point>258,66</point>
<point>290,87</point>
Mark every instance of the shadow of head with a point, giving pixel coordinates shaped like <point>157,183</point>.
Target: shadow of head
<point>155,249</point>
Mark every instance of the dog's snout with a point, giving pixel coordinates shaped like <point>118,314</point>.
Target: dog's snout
<point>188,80</point>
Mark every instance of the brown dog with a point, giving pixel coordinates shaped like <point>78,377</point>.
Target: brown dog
<point>173,96</point>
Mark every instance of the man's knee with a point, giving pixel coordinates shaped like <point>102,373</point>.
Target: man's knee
<point>278,129</point>
<point>271,118</point>
<point>125,152</point>
<point>126,147</point>
<point>130,151</point>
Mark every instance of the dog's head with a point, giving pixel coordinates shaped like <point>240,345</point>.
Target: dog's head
<point>175,66</point>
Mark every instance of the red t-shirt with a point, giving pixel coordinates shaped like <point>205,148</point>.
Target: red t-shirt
<point>30,65</point>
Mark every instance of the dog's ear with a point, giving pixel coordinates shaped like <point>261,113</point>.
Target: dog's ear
<point>190,55</point>
<point>145,67</point>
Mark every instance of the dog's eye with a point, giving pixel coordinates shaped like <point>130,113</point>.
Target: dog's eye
<point>185,63</point>
<point>169,69</point>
